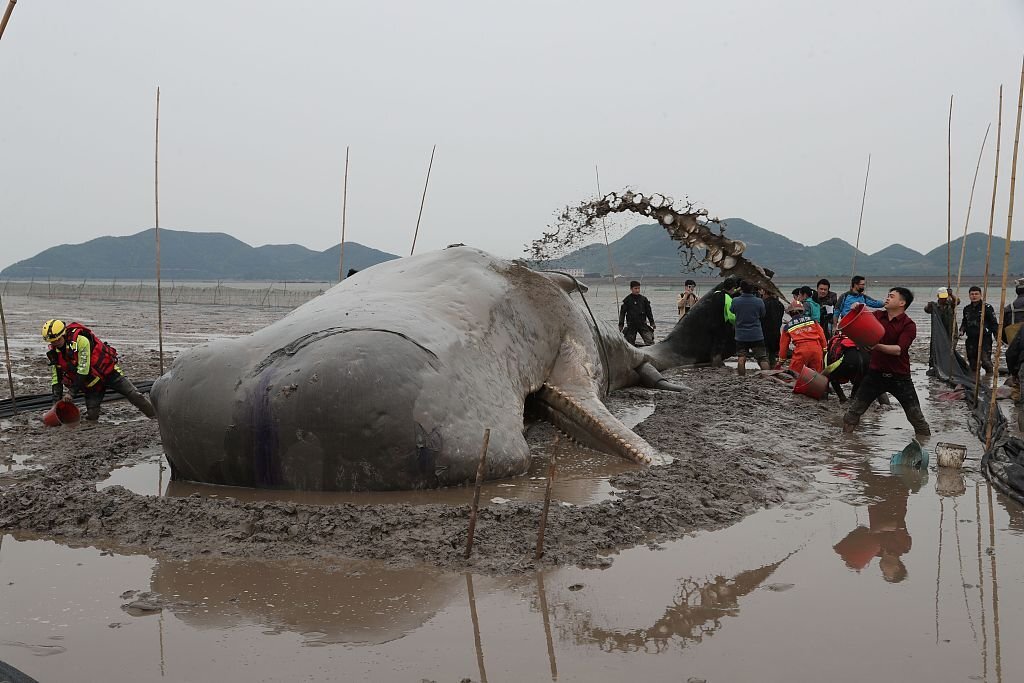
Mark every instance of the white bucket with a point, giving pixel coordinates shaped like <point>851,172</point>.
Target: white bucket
<point>950,454</point>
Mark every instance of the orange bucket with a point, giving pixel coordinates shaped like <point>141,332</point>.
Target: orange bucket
<point>860,326</point>
<point>62,413</point>
<point>811,383</point>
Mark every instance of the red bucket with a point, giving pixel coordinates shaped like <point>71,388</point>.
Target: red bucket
<point>811,383</point>
<point>62,413</point>
<point>860,326</point>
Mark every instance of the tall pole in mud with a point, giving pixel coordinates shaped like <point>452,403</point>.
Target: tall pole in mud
<point>963,249</point>
<point>7,16</point>
<point>156,218</point>
<point>423,199</point>
<point>1006,260</point>
<point>607,245</point>
<point>344,210</point>
<point>547,506</point>
<point>988,249</point>
<point>860,221</point>
<point>7,356</point>
<point>476,493</point>
<point>949,198</point>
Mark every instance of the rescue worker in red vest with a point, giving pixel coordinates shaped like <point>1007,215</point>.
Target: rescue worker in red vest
<point>808,340</point>
<point>83,364</point>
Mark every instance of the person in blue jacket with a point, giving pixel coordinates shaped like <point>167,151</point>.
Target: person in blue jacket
<point>854,296</point>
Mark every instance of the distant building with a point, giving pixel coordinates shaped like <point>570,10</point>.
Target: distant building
<point>575,272</point>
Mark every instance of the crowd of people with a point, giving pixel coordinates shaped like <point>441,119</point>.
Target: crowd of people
<point>808,336</point>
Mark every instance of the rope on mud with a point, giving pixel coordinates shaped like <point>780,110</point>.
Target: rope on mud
<point>45,401</point>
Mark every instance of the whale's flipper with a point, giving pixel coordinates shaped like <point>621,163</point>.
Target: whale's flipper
<point>580,413</point>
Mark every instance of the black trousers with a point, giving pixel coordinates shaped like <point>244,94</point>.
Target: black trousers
<point>876,383</point>
<point>631,330</point>
<point>971,343</point>
<point>119,383</point>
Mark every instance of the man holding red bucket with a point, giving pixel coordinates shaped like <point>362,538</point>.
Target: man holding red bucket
<point>889,367</point>
<point>84,364</point>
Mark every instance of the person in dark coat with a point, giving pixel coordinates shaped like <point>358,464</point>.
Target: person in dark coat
<point>634,314</point>
<point>974,321</point>
<point>771,325</point>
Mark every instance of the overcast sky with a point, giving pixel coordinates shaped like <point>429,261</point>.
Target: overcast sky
<point>760,110</point>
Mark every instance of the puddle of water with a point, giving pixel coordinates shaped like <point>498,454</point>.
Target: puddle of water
<point>581,478</point>
<point>17,462</point>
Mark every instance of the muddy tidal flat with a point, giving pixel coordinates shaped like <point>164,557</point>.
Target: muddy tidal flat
<point>772,549</point>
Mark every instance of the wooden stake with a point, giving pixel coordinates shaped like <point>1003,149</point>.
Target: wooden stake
<point>963,249</point>
<point>949,197</point>
<point>988,249</point>
<point>476,493</point>
<point>860,221</point>
<point>344,211</point>
<point>423,199</point>
<point>607,245</point>
<point>547,505</point>
<point>7,357</point>
<point>156,218</point>
<point>1006,260</point>
<point>7,16</point>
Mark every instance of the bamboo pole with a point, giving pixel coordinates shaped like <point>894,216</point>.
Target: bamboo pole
<point>7,16</point>
<point>544,512</point>
<point>963,249</point>
<point>156,218</point>
<point>476,493</point>
<point>988,249</point>
<point>1006,259</point>
<point>949,198</point>
<point>7,357</point>
<point>860,221</point>
<point>423,199</point>
<point>607,245</point>
<point>344,211</point>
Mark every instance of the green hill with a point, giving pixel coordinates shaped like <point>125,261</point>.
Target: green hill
<point>191,256</point>
<point>648,250</point>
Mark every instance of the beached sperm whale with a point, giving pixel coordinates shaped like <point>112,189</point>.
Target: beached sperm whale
<point>388,380</point>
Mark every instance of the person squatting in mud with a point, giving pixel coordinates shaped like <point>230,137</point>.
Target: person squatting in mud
<point>635,311</point>
<point>749,311</point>
<point>889,367</point>
<point>82,363</point>
<point>807,338</point>
<point>979,316</point>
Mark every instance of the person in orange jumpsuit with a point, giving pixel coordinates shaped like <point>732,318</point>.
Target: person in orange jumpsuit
<point>808,341</point>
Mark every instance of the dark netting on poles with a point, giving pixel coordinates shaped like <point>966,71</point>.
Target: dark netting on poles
<point>1003,463</point>
<point>43,402</point>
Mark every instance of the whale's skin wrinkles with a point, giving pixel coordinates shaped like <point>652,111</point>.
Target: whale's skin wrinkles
<point>389,379</point>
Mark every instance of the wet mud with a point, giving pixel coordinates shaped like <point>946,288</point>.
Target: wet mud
<point>772,536</point>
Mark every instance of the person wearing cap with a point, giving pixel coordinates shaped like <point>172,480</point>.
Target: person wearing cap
<point>979,321</point>
<point>1013,314</point>
<point>83,364</point>
<point>634,314</point>
<point>889,367</point>
<point>687,299</point>
<point>807,338</point>
<point>945,305</point>
<point>856,295</point>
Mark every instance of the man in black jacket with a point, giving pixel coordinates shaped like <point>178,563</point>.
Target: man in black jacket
<point>635,311</point>
<point>971,328</point>
<point>827,300</point>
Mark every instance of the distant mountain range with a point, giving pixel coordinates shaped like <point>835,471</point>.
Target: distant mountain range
<point>191,256</point>
<point>648,250</point>
<point>644,250</point>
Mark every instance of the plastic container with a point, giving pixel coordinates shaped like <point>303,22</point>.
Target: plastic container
<point>62,413</point>
<point>811,383</point>
<point>860,326</point>
<point>950,454</point>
